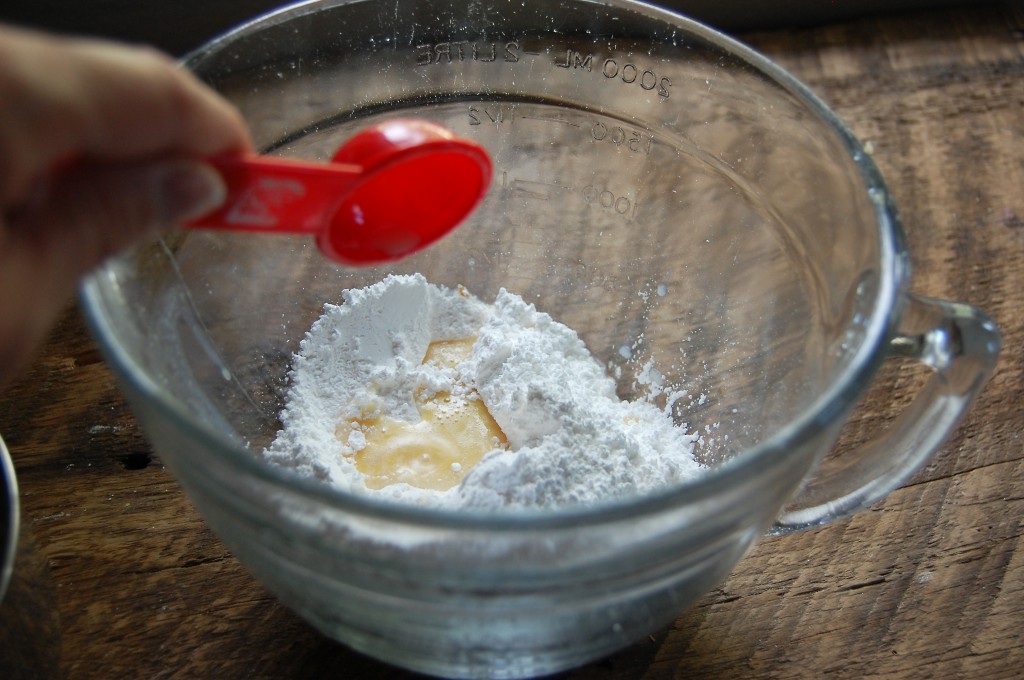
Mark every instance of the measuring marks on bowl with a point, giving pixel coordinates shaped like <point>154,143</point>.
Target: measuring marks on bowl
<point>614,66</point>
<point>549,152</point>
<point>534,85</point>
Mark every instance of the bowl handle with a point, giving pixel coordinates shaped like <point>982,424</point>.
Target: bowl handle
<point>961,344</point>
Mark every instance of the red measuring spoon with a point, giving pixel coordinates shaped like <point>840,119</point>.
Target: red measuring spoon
<point>390,190</point>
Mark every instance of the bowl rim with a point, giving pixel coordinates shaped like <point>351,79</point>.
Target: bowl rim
<point>826,410</point>
<point>11,518</point>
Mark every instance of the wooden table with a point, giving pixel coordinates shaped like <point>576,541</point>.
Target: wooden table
<point>119,577</point>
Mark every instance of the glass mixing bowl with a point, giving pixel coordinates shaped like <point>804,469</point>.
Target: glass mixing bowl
<point>666,192</point>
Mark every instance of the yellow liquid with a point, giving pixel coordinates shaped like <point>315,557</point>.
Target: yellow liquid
<point>435,453</point>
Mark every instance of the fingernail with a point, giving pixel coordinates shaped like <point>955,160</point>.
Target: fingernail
<point>188,190</point>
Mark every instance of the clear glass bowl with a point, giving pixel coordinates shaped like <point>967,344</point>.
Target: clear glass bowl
<point>664,191</point>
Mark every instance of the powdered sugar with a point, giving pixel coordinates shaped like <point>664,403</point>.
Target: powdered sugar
<point>571,441</point>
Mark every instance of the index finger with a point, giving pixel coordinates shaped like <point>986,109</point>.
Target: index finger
<point>67,98</point>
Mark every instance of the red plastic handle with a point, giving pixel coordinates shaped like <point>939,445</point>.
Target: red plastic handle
<point>277,194</point>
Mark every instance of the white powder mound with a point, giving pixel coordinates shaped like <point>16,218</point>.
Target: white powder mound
<point>571,441</point>
<point>366,354</point>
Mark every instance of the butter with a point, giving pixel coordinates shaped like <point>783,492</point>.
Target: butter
<point>453,433</point>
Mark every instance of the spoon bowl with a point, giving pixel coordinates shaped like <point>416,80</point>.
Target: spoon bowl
<point>406,202</point>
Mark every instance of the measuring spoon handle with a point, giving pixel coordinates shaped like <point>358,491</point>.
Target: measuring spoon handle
<point>278,195</point>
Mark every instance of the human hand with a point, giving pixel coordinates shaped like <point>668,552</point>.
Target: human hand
<point>100,147</point>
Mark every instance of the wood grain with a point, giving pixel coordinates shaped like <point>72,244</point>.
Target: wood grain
<point>123,579</point>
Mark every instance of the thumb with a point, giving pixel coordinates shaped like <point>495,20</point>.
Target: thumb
<point>94,211</point>
<point>71,225</point>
